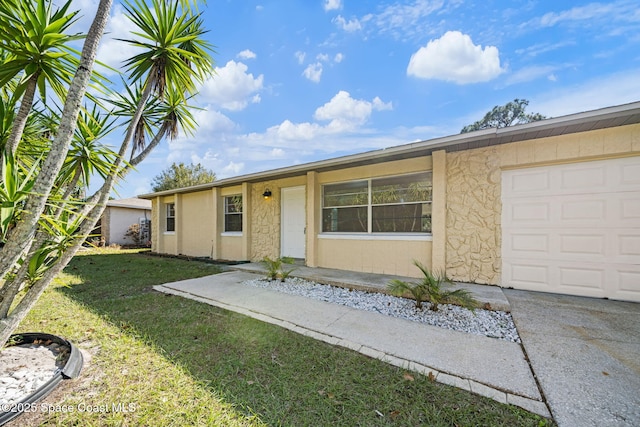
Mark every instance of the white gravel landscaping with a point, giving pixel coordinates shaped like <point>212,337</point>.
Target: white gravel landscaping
<point>494,324</point>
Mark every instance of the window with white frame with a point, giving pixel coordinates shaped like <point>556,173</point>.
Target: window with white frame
<point>171,217</point>
<point>398,204</point>
<point>233,213</point>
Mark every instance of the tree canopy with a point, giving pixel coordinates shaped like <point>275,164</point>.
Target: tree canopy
<point>512,113</point>
<point>179,175</point>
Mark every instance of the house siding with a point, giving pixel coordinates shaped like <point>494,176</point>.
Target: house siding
<point>473,248</point>
<point>466,210</point>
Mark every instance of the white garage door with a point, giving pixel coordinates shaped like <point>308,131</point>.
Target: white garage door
<point>573,229</point>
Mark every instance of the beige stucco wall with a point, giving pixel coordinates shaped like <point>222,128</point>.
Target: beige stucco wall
<point>197,224</point>
<point>162,241</point>
<point>473,247</point>
<point>374,255</point>
<point>155,224</point>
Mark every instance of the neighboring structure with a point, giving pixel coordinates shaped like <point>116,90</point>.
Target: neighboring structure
<point>549,206</point>
<point>121,214</point>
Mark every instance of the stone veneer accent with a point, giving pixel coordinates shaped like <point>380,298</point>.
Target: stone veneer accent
<point>473,216</point>
<point>265,221</point>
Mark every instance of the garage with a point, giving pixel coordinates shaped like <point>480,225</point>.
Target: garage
<point>573,228</point>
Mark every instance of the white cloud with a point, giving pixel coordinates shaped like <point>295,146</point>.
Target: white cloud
<point>277,152</point>
<point>209,120</point>
<point>528,74</point>
<point>578,13</point>
<point>322,57</point>
<point>338,58</point>
<point>114,52</point>
<point>232,168</point>
<point>332,5</point>
<point>313,72</point>
<point>541,48</point>
<point>300,57</point>
<point>295,132</point>
<point>348,26</point>
<point>343,113</point>
<point>601,92</point>
<point>455,58</point>
<point>232,88</point>
<point>346,114</point>
<point>410,20</point>
<point>246,54</point>
<point>613,18</point>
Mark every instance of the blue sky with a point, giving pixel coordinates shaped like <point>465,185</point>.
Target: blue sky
<point>299,81</point>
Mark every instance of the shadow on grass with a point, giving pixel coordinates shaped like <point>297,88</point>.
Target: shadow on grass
<point>282,377</point>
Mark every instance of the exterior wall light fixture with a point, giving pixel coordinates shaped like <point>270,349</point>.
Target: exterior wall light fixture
<point>266,194</point>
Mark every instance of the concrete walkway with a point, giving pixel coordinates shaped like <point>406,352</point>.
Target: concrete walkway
<point>585,352</point>
<point>494,368</point>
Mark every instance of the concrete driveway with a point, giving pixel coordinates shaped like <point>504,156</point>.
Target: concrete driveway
<point>585,353</point>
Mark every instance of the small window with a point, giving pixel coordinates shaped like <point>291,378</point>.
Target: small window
<point>233,213</point>
<point>171,217</point>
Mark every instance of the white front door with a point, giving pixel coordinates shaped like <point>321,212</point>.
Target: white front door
<point>573,229</point>
<point>293,222</point>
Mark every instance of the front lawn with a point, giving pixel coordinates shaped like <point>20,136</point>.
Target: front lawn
<point>177,362</point>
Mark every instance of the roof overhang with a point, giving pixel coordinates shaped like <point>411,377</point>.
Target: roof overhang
<point>609,117</point>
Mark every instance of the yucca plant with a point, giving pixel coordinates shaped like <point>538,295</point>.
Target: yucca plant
<point>275,270</point>
<point>272,266</point>
<point>431,289</point>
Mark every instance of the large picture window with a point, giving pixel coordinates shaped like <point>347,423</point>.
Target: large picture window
<point>233,213</point>
<point>399,204</point>
<point>171,217</point>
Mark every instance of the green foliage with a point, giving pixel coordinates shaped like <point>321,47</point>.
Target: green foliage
<point>49,142</point>
<point>512,113</point>
<point>14,189</point>
<point>173,48</point>
<point>180,175</point>
<point>275,270</point>
<point>36,40</point>
<point>431,289</point>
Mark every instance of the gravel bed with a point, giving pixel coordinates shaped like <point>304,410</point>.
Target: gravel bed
<point>494,324</point>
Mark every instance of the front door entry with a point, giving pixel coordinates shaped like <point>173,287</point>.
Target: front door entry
<point>293,222</point>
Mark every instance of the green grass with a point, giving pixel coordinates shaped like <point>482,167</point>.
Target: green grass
<point>186,363</point>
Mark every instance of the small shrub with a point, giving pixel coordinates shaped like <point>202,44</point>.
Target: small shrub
<point>275,270</point>
<point>431,289</point>
<point>133,233</point>
<point>273,267</point>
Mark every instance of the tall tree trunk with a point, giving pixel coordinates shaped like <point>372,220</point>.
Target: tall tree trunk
<point>20,121</point>
<point>25,230</point>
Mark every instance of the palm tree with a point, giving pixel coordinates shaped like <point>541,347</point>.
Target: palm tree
<point>175,55</point>
<point>175,59</point>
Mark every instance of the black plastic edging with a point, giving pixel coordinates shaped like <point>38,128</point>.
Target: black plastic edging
<point>70,370</point>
